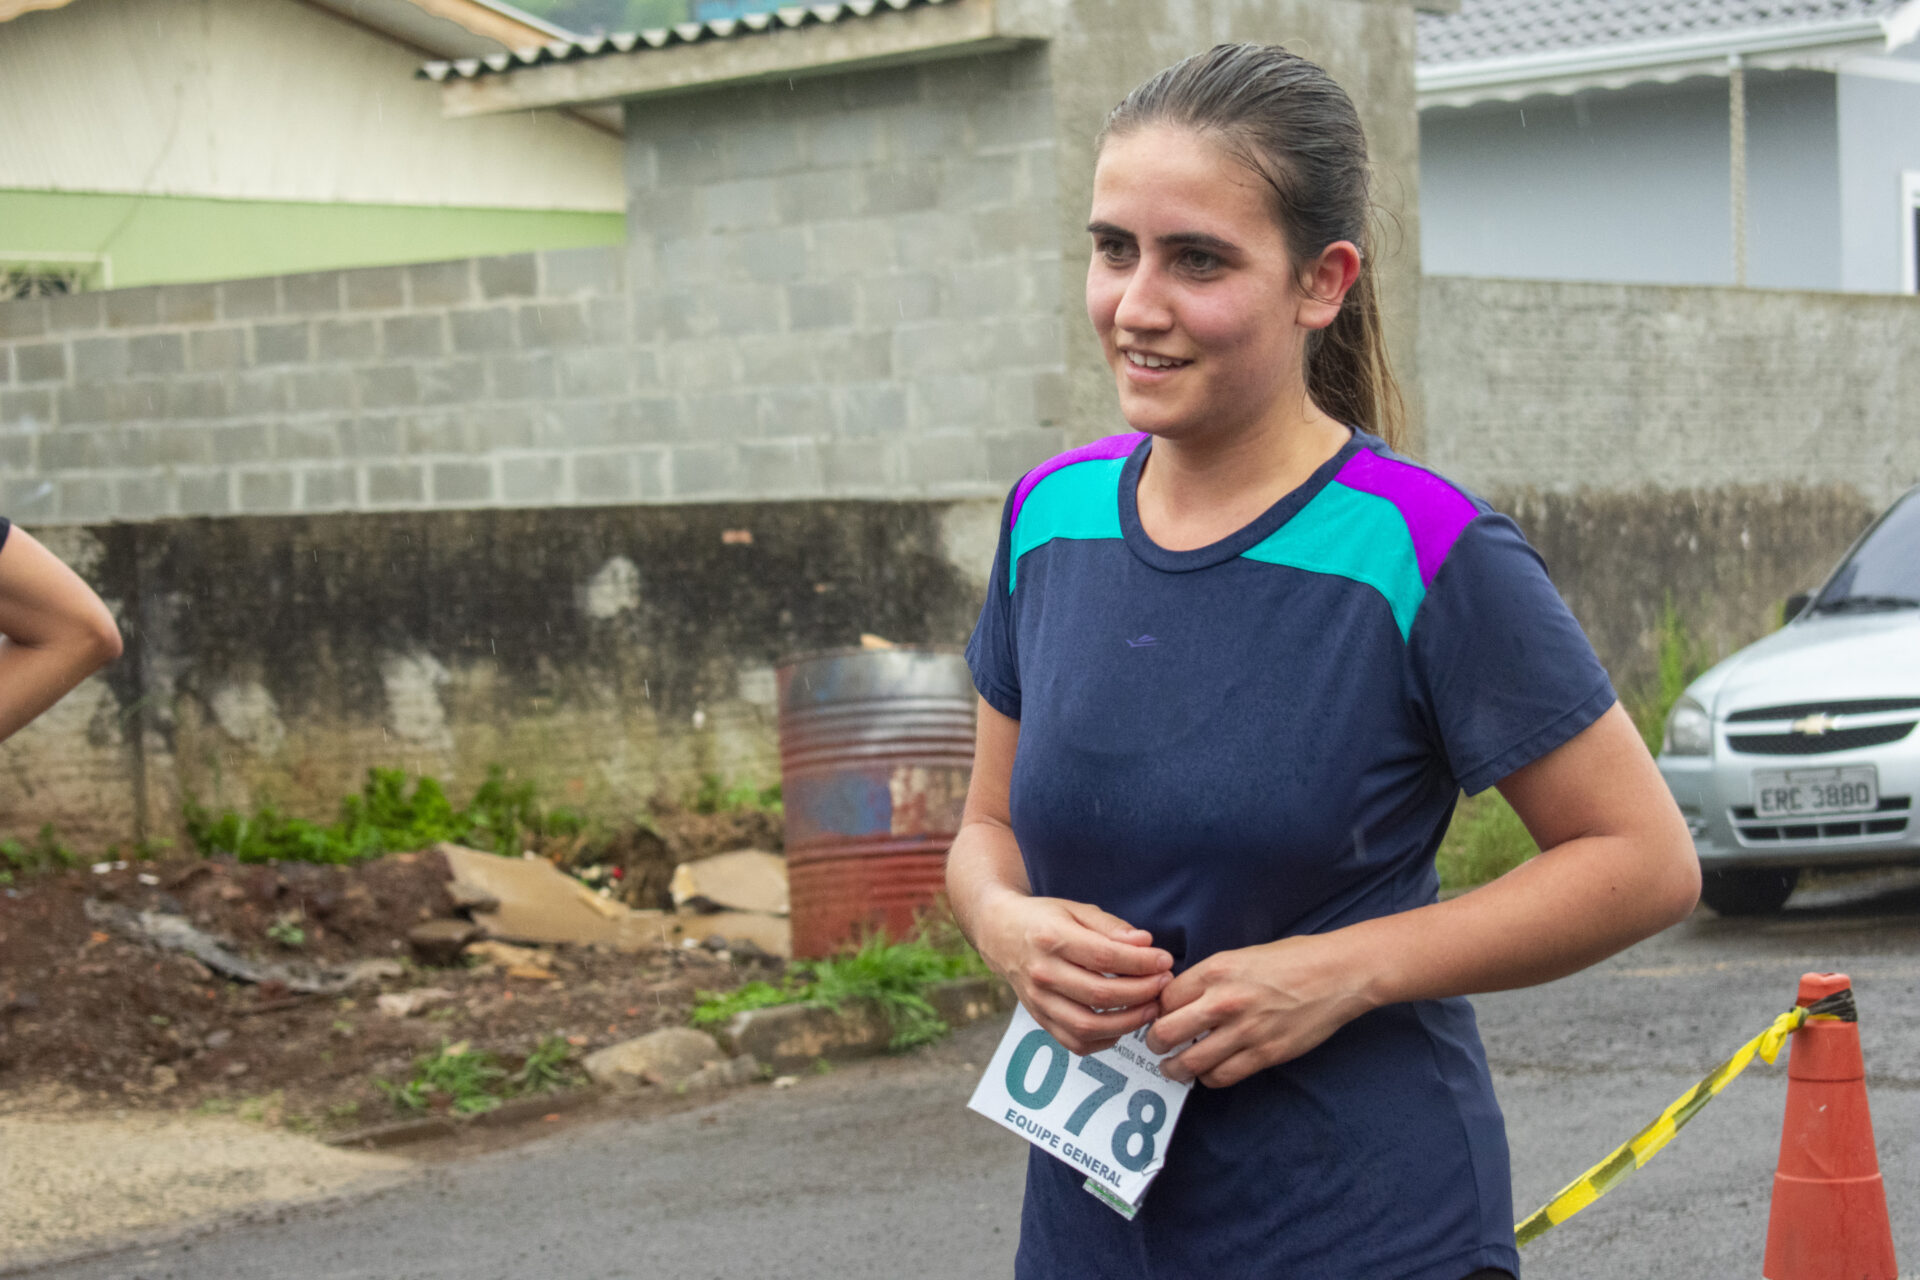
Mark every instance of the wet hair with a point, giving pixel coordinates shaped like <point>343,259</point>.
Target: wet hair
<point>1286,120</point>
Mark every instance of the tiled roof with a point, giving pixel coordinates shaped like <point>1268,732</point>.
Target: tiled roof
<point>1484,30</point>
<point>667,37</point>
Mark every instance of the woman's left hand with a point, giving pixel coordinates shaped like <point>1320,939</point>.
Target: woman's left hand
<point>1258,1006</point>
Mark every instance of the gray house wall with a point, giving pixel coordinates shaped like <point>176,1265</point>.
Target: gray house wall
<point>853,282</point>
<point>1718,448</point>
<point>1880,140</point>
<point>1634,185</point>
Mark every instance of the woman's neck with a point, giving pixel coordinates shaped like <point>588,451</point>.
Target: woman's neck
<point>1196,491</point>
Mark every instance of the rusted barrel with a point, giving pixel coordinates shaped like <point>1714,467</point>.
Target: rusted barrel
<point>876,747</point>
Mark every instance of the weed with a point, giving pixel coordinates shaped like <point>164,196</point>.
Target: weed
<point>287,932</point>
<point>344,1112</point>
<point>386,817</point>
<point>215,1107</point>
<point>266,1108</point>
<point>892,975</point>
<point>45,853</point>
<point>1485,841</point>
<point>545,1069</point>
<point>469,1078</point>
<point>714,795</point>
<point>472,1080</point>
<point>1680,658</point>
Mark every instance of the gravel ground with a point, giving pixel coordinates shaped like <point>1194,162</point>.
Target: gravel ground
<point>71,1184</point>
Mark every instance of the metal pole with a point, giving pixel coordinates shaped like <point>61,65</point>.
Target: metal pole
<point>1737,120</point>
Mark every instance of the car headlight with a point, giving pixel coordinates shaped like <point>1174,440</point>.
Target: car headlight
<point>1689,730</point>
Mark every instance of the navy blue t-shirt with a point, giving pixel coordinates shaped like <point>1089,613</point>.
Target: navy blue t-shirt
<point>1261,738</point>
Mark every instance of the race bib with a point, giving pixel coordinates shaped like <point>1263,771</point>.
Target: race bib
<point>1109,1116</point>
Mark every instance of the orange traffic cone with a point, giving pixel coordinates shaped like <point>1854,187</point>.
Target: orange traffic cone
<point>1829,1219</point>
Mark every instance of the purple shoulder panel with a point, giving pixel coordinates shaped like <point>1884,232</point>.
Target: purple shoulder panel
<point>1104,449</point>
<point>1434,510</point>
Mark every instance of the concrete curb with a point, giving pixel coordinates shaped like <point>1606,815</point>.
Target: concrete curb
<point>422,1128</point>
<point>788,1038</point>
<point>792,1037</point>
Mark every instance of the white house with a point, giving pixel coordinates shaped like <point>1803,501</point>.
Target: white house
<point>1773,143</point>
<point>159,141</point>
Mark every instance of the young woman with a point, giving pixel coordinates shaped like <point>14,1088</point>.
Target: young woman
<point>54,631</point>
<point>1235,667</point>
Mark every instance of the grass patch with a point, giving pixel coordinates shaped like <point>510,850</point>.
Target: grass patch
<point>468,1081</point>
<point>45,853</point>
<point>714,795</point>
<point>1681,657</point>
<point>892,975</point>
<point>386,817</point>
<point>1485,841</point>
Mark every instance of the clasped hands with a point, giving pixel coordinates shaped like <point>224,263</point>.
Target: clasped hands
<point>1090,978</point>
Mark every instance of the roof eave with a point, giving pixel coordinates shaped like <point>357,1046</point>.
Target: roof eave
<point>1615,66</point>
<point>923,33</point>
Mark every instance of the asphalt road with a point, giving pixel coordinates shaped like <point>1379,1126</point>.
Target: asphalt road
<point>877,1170</point>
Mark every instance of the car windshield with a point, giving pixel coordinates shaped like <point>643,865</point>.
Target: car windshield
<point>1884,571</point>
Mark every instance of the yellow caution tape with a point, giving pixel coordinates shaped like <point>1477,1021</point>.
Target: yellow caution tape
<point>1644,1145</point>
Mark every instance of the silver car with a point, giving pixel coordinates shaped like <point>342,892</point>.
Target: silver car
<point>1799,751</point>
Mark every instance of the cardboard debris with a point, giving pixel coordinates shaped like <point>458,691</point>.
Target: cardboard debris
<point>746,880</point>
<point>537,902</point>
<point>540,904</point>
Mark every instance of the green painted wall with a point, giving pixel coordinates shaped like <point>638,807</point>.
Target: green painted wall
<point>174,239</point>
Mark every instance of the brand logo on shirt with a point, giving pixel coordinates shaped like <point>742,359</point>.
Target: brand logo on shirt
<point>1144,642</point>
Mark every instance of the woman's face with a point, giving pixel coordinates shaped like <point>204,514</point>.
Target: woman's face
<point>1191,287</point>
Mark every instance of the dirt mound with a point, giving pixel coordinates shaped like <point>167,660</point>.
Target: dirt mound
<point>86,1006</point>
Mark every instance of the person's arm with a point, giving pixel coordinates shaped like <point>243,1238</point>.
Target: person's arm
<point>1616,866</point>
<point>54,631</point>
<point>1054,953</point>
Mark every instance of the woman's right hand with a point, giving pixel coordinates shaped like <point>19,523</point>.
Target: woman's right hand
<point>1057,956</point>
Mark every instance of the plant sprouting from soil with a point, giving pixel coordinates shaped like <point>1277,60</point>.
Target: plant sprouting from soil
<point>894,976</point>
<point>468,1080</point>
<point>716,795</point>
<point>386,817</point>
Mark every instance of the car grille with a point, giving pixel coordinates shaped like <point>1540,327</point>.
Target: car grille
<point>1795,710</point>
<point>1891,819</point>
<point>1817,744</point>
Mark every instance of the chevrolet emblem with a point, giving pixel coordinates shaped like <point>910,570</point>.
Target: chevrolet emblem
<point>1814,726</point>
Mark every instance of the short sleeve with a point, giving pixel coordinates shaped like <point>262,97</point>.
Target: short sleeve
<point>991,655</point>
<point>1504,669</point>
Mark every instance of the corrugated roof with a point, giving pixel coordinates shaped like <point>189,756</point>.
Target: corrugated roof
<point>666,37</point>
<point>1484,30</point>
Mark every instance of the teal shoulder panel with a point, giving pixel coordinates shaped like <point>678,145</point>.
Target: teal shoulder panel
<point>1352,535</point>
<point>1080,501</point>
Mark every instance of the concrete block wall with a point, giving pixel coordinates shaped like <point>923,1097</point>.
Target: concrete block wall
<point>854,281</point>
<point>481,382</point>
<point>847,288</point>
<point>1554,386</point>
<point>1714,448</point>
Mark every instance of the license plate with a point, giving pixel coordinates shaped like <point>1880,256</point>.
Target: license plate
<point>1814,793</point>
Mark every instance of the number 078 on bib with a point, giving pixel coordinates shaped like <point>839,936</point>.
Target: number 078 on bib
<point>1108,1115</point>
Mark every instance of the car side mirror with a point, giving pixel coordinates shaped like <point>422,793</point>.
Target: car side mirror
<point>1796,605</point>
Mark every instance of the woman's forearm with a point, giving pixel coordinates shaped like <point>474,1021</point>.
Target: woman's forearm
<point>1567,908</point>
<point>1618,866</point>
<point>983,863</point>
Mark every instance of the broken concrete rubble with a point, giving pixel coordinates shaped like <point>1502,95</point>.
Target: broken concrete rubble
<point>441,942</point>
<point>670,1057</point>
<point>407,1004</point>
